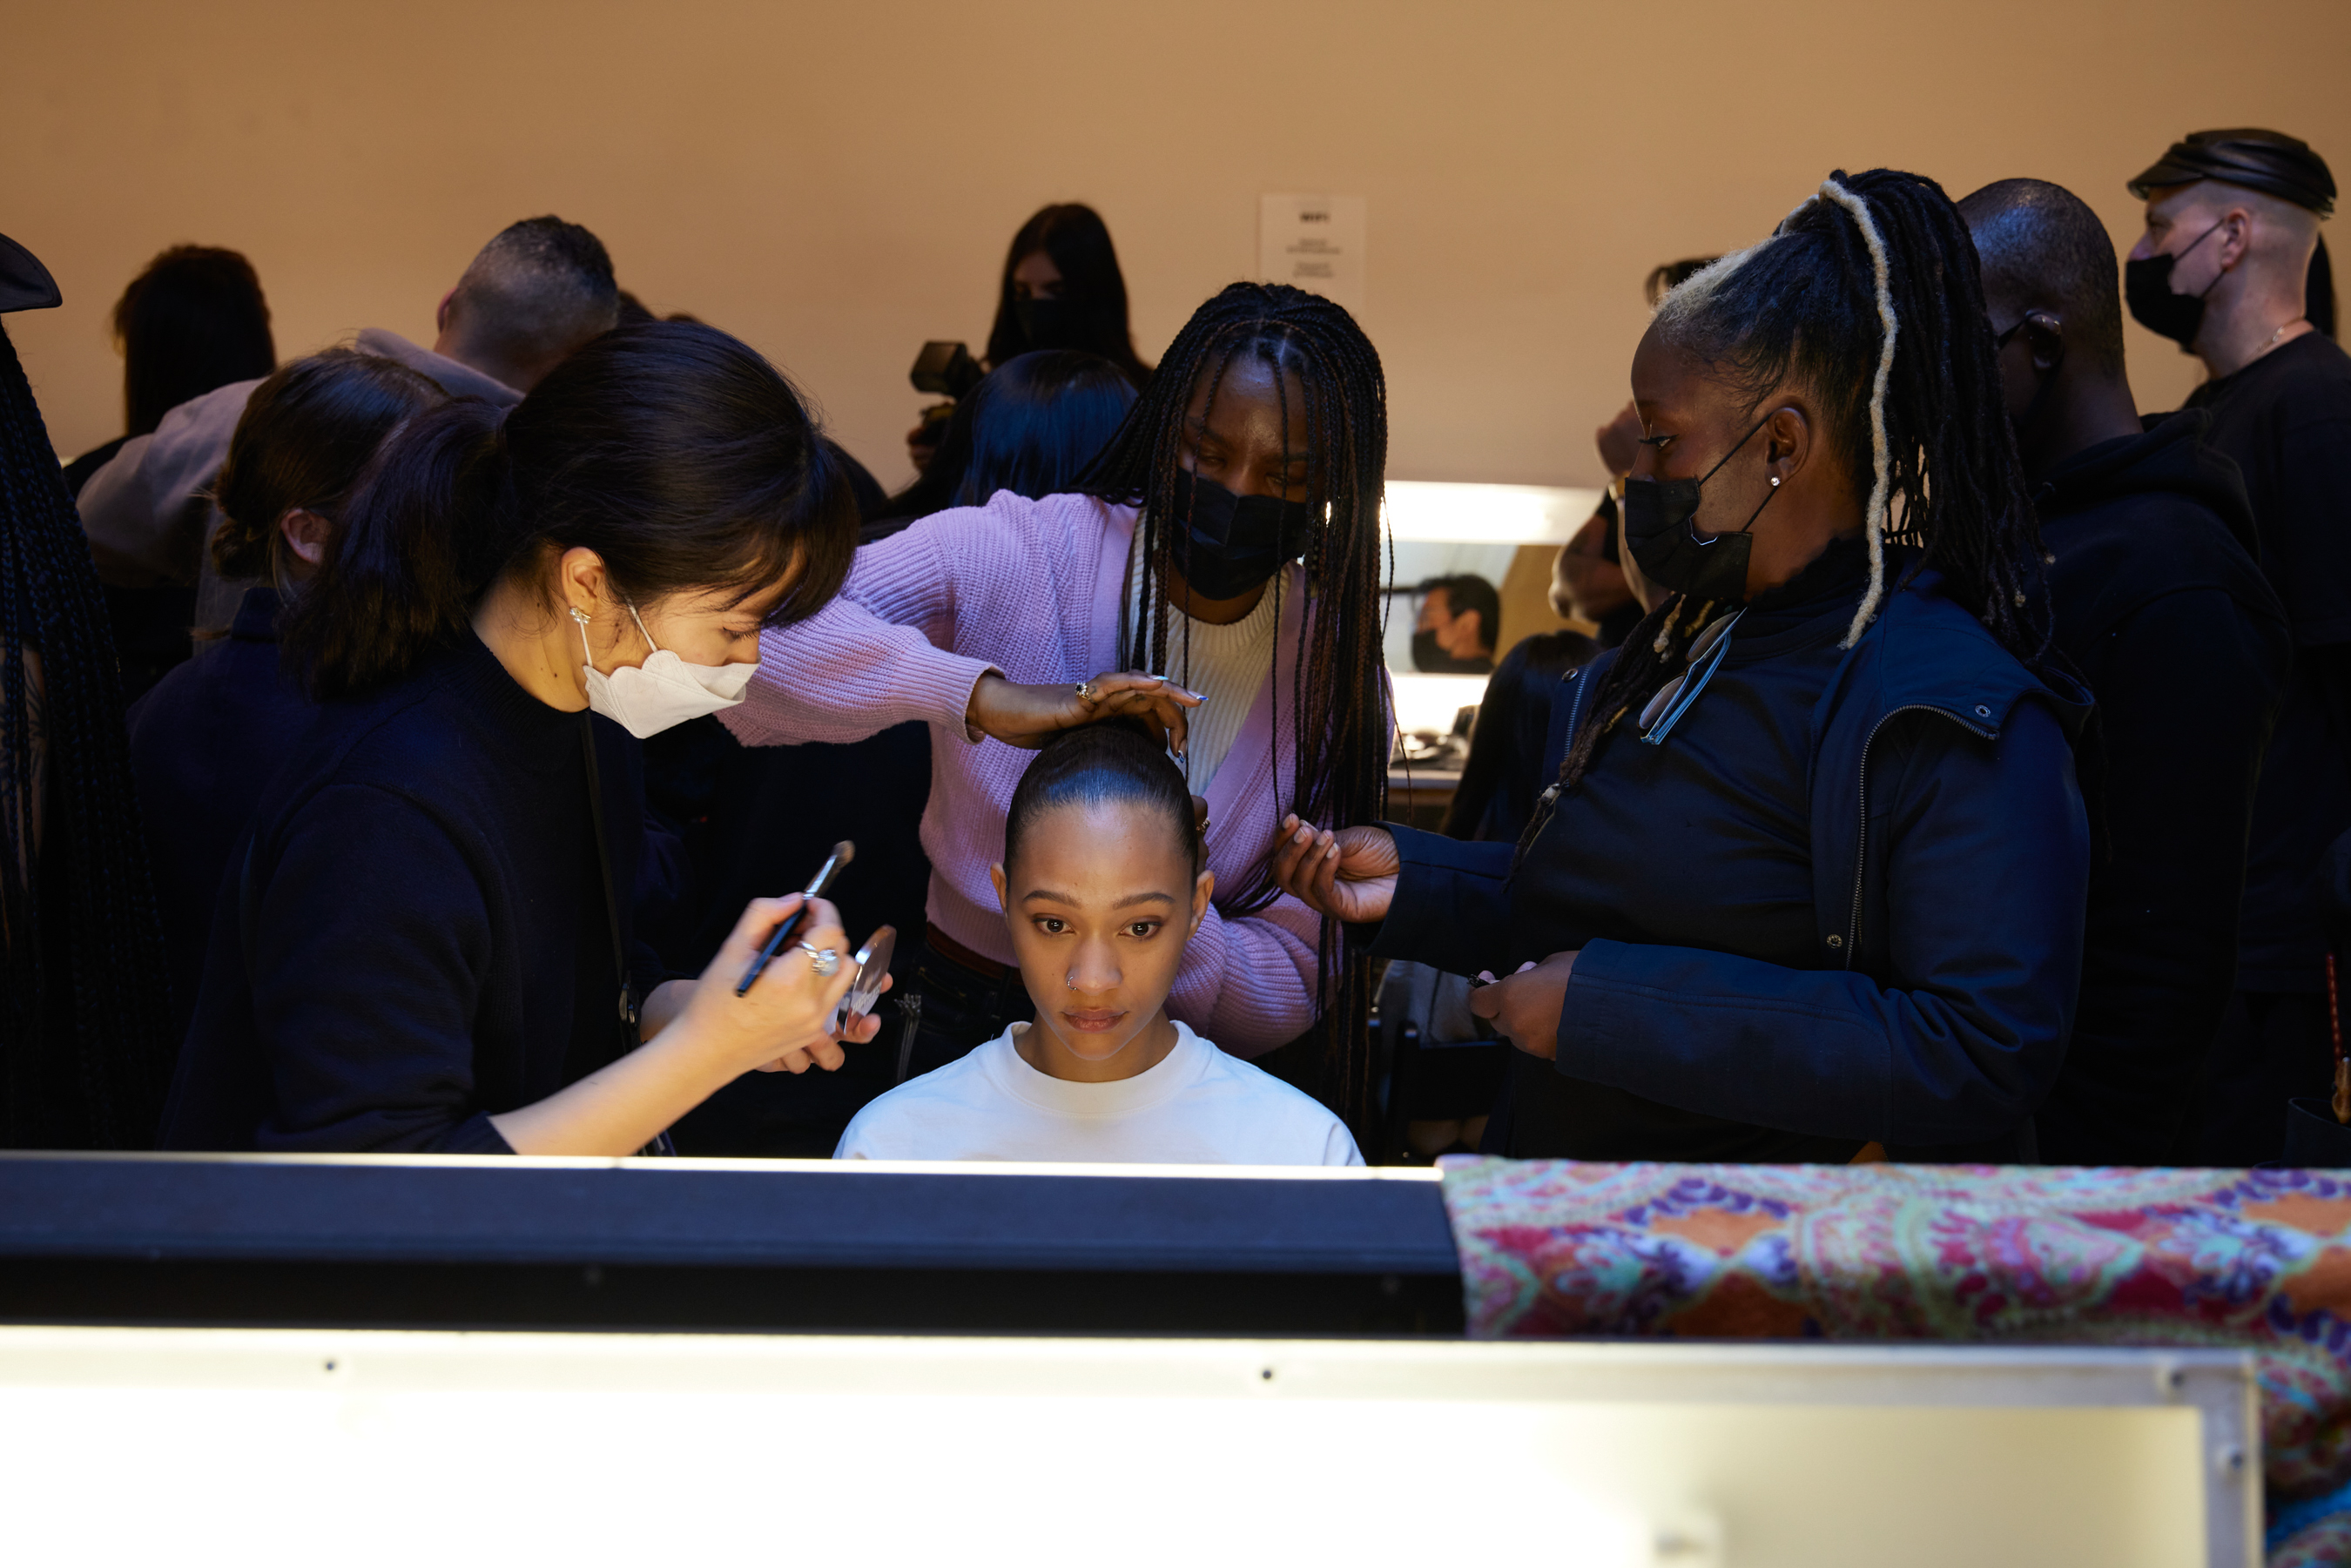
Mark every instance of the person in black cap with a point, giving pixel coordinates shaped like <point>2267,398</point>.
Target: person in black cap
<point>85,1054</point>
<point>2225,270</point>
<point>2158,602</point>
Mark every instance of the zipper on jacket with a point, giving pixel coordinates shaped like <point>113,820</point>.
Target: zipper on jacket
<point>1861,850</point>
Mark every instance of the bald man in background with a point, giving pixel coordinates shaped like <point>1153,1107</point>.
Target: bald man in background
<point>2226,270</point>
<point>535,292</point>
<point>2156,600</point>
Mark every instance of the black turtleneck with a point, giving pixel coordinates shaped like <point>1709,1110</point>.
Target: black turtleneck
<point>416,937</point>
<point>1703,841</point>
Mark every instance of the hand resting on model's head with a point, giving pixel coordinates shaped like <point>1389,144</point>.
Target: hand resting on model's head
<point>1349,875</point>
<point>1029,715</point>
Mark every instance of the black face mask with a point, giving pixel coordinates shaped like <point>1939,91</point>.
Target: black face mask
<point>2147,287</point>
<point>1226,544</point>
<point>1674,555</point>
<point>1050,323</point>
<point>1431,660</point>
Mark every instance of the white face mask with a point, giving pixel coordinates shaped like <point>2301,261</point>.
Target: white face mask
<point>645,699</point>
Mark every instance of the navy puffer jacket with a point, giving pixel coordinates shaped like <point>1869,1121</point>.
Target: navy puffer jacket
<point>1948,859</point>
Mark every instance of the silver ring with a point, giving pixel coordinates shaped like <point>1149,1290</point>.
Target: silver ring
<point>1085,691</point>
<point>825,961</point>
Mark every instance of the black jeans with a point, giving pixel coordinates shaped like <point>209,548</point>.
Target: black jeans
<point>2274,1046</point>
<point>962,1009</point>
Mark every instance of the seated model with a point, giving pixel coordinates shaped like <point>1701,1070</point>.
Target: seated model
<point>1102,883</point>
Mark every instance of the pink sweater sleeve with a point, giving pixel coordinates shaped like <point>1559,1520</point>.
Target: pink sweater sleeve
<point>1249,983</point>
<point>875,656</point>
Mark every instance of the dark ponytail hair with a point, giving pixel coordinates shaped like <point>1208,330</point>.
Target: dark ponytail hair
<point>306,434</point>
<point>1114,760</point>
<point>1931,447</point>
<point>672,450</point>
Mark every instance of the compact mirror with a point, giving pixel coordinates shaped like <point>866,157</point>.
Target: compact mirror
<point>872,968</point>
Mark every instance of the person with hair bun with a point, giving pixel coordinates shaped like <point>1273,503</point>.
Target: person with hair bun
<point>424,943</point>
<point>1103,882</point>
<point>1221,559</point>
<point>1808,882</point>
<point>208,738</point>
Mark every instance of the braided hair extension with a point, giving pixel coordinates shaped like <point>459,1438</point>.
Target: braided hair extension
<point>85,1057</point>
<point>1338,696</point>
<point>1867,262</point>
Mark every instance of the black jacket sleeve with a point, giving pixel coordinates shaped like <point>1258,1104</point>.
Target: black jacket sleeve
<point>1450,911</point>
<point>1988,860</point>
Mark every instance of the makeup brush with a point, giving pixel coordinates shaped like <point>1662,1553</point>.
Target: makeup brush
<point>842,853</point>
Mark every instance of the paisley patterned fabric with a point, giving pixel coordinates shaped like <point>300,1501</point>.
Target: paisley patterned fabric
<point>2239,1260</point>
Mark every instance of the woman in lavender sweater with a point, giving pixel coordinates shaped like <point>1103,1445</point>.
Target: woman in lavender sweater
<point>1227,540</point>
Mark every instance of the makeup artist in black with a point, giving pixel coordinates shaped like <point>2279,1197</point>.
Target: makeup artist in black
<point>423,945</point>
<point>1808,885</point>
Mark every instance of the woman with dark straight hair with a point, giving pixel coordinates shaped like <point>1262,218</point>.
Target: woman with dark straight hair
<point>1807,882</point>
<point>85,1054</point>
<point>425,943</point>
<point>1030,427</point>
<point>1220,560</point>
<point>1063,289</point>
<point>194,320</point>
<point>207,740</point>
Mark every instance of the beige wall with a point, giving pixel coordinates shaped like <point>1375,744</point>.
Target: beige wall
<point>837,183</point>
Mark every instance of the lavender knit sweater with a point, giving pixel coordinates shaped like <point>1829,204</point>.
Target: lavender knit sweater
<point>1031,590</point>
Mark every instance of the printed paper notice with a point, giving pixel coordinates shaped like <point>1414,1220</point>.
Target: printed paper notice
<point>1314,243</point>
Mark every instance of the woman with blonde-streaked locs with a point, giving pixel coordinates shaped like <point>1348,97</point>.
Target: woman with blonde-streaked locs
<point>1806,883</point>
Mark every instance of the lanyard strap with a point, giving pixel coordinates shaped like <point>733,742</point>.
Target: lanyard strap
<point>628,1003</point>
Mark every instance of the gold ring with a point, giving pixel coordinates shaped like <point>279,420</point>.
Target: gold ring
<point>1085,691</point>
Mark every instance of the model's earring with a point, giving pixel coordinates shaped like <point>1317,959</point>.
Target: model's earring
<point>1775,485</point>
<point>581,615</point>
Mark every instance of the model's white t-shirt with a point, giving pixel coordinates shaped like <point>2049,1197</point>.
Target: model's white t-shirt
<point>1199,1106</point>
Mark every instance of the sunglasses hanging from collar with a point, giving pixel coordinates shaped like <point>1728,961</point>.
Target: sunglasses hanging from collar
<point>1678,695</point>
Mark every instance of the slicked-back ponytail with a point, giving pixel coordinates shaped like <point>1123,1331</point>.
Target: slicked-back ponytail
<point>396,585</point>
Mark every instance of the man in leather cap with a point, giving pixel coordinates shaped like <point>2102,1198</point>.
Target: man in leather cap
<point>540,289</point>
<point>2158,602</point>
<point>2230,268</point>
